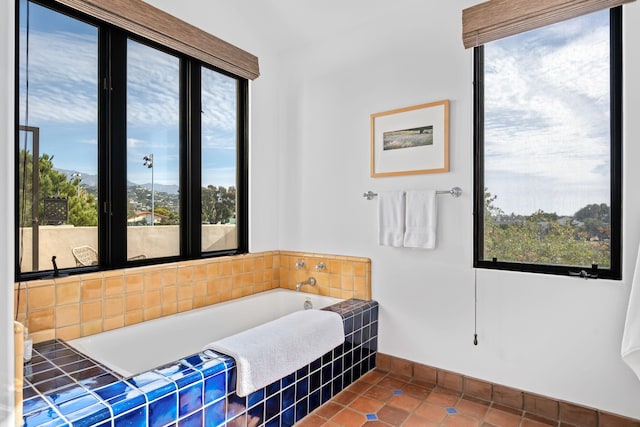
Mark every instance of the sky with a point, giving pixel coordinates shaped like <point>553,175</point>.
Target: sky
<point>547,117</point>
<point>63,100</point>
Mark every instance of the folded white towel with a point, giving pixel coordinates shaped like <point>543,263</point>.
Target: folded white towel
<point>391,218</point>
<point>421,219</point>
<point>275,349</point>
<point>631,337</point>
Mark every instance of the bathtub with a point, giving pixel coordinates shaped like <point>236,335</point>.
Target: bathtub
<point>144,346</point>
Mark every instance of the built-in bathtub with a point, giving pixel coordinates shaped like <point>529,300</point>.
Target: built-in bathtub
<point>142,347</point>
<point>189,387</point>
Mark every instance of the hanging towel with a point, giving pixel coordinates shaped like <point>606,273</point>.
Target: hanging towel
<point>631,336</point>
<point>275,349</point>
<point>391,218</point>
<point>421,221</point>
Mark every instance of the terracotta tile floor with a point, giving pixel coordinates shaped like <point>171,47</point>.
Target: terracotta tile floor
<point>384,399</point>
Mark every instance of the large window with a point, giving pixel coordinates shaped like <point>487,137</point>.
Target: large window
<point>548,149</point>
<point>127,152</point>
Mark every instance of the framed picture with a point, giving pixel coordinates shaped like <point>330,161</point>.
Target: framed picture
<point>411,140</point>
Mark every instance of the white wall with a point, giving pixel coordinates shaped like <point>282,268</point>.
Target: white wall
<point>6,218</point>
<point>551,335</point>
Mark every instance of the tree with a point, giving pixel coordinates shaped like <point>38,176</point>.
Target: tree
<point>218,204</point>
<point>83,210</point>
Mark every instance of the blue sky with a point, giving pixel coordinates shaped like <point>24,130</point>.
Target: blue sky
<point>546,117</point>
<point>63,103</point>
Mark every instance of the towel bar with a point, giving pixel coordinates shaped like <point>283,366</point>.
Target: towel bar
<point>454,192</point>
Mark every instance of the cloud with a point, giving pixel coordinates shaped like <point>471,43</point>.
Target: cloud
<point>547,106</point>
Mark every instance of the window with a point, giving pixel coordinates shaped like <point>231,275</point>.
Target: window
<point>548,149</point>
<point>127,152</point>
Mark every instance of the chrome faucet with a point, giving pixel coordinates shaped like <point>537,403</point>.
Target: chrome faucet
<point>311,281</point>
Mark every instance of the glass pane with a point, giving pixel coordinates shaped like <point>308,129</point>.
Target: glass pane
<point>153,151</point>
<point>58,99</point>
<point>547,145</point>
<point>219,158</point>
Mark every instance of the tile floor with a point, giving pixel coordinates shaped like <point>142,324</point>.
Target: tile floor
<point>385,399</point>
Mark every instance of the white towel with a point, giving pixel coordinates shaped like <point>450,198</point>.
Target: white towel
<point>275,349</point>
<point>631,336</point>
<point>421,219</point>
<point>391,218</point>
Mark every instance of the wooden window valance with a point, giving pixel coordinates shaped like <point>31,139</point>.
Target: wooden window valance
<point>156,25</point>
<point>496,19</point>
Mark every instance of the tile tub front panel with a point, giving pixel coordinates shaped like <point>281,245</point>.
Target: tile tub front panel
<point>64,387</point>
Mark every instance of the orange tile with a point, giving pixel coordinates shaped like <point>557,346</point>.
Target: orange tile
<point>152,313</point>
<point>113,306</point>
<point>91,310</point>
<point>502,419</point>
<point>68,293</point>
<point>113,323</point>
<point>225,268</point>
<point>199,302</point>
<point>392,415</point>
<point>402,366</point>
<point>366,405</point>
<point>345,397</point>
<point>169,277</point>
<point>91,289</point>
<point>90,328</point>
<point>68,333</point>
<point>44,335</point>
<point>542,406</point>
<point>185,305</point>
<point>67,315</point>
<point>359,269</point>
<point>379,393</point>
<point>450,380</point>
<point>425,373</point>
<point>168,309</point>
<point>248,265</point>
<point>114,286</point>
<point>405,402</point>
<point>508,396</point>
<point>476,388</point>
<point>442,398</point>
<point>417,421</point>
<point>133,302</point>
<point>457,420</point>
<point>133,282</point>
<point>133,317</point>
<point>350,418</point>
<point>200,288</point>
<point>578,415</point>
<point>151,299</point>
<point>346,268</point>
<point>431,412</point>
<point>39,298</point>
<point>152,280</point>
<point>200,272</point>
<point>474,409</point>
<point>185,275</point>
<point>328,410</point>
<point>185,292</point>
<point>40,320</point>
<point>236,267</point>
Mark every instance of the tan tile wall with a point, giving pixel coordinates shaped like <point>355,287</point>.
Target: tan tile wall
<point>18,342</point>
<point>344,277</point>
<point>546,409</point>
<point>81,305</point>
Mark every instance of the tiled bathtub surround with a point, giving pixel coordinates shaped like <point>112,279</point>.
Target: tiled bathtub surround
<point>63,387</point>
<point>86,304</point>
<point>536,409</point>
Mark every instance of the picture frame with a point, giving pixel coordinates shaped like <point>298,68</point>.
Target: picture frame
<point>410,141</point>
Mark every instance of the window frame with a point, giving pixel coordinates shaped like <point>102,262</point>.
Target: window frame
<point>614,272</point>
<point>112,146</point>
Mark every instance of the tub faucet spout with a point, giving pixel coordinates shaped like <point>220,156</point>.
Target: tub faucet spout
<point>311,281</point>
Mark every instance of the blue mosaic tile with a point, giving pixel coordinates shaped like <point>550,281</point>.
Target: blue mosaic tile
<point>135,418</point>
<point>372,417</point>
<point>326,393</point>
<point>288,417</point>
<point>336,385</point>
<point>163,411</point>
<point>255,415</point>
<point>183,375</point>
<point>114,389</point>
<point>301,409</point>
<point>272,406</point>
<point>337,367</point>
<point>327,357</point>
<point>28,392</point>
<point>125,402</point>
<point>314,400</point>
<point>316,364</point>
<point>357,322</point>
<point>327,373</point>
<point>190,399</point>
<point>288,380</point>
<point>397,392</point>
<point>152,384</point>
<point>214,388</point>
<point>272,388</point>
<point>89,416</point>
<point>255,397</point>
<point>38,377</point>
<point>315,380</point>
<point>346,377</point>
<point>302,372</point>
<point>75,357</point>
<point>302,388</point>
<point>274,422</point>
<point>33,405</point>
<point>451,410</point>
<point>77,366</point>
<point>348,325</point>
<point>34,368</point>
<point>288,397</point>
<point>77,404</point>
<point>193,420</point>
<point>235,405</point>
<point>214,414</point>
<point>231,380</point>
<point>99,381</point>
<point>40,418</point>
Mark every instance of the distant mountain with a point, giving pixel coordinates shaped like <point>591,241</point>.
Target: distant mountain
<point>89,180</point>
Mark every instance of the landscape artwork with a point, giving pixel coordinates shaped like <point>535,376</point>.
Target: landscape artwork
<point>408,138</point>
